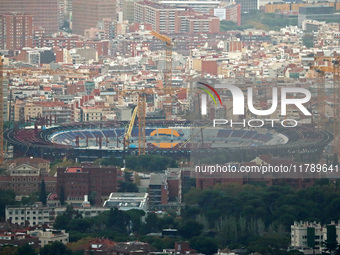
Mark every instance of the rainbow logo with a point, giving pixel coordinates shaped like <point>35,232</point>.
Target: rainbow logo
<point>204,97</point>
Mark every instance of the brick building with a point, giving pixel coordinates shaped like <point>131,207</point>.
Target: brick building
<point>16,31</point>
<point>24,176</point>
<point>60,40</point>
<point>87,180</point>
<point>45,13</point>
<point>164,189</point>
<point>102,47</point>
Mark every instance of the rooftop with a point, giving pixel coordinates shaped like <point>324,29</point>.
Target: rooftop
<point>74,170</point>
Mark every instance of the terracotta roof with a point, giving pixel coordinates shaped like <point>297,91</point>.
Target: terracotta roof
<point>74,170</point>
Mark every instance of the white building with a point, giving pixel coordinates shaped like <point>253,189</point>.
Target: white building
<point>49,236</point>
<point>38,215</point>
<point>309,237</point>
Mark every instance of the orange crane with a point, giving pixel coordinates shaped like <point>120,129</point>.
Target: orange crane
<point>167,71</point>
<point>168,58</point>
<point>329,64</point>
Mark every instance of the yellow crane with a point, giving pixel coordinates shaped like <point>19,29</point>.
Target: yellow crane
<point>130,127</point>
<point>140,111</point>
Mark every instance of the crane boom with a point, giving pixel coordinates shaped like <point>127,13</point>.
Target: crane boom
<point>168,58</point>
<point>132,121</point>
<point>331,64</point>
<point>168,70</point>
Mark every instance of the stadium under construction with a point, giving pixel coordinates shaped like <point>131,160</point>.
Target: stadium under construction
<point>89,141</point>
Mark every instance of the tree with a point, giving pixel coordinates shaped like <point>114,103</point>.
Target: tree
<point>31,199</point>
<point>8,250</point>
<point>112,161</point>
<point>205,245</point>
<point>151,221</point>
<point>149,163</point>
<point>55,248</point>
<point>190,229</point>
<point>62,195</point>
<point>118,220</point>
<point>81,225</point>
<point>43,194</point>
<point>7,197</point>
<point>92,197</point>
<point>61,222</point>
<point>135,216</point>
<point>127,187</point>
<point>332,247</point>
<point>25,250</point>
<point>127,176</point>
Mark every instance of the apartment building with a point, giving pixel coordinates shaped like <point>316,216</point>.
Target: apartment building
<point>16,31</point>
<point>25,111</point>
<point>308,237</point>
<point>102,47</point>
<point>45,13</point>
<point>60,110</point>
<point>169,20</point>
<point>164,189</point>
<point>161,17</point>
<point>34,215</point>
<point>38,214</point>
<point>48,236</point>
<point>192,22</point>
<point>29,111</point>
<point>60,40</point>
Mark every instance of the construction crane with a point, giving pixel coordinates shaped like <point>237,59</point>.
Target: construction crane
<point>329,64</point>
<point>129,130</point>
<point>167,72</point>
<point>321,99</point>
<point>141,123</point>
<point>168,58</point>
<point>140,111</point>
<point>1,110</point>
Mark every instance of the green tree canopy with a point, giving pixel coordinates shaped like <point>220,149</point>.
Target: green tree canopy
<point>56,248</point>
<point>42,193</point>
<point>25,250</point>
